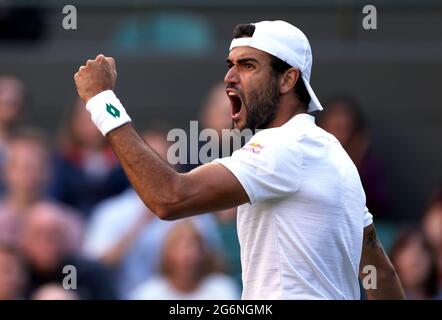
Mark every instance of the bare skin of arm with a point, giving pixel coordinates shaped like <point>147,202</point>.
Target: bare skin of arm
<point>169,194</point>
<point>388,284</point>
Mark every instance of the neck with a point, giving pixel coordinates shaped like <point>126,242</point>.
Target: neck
<point>183,283</point>
<point>18,202</point>
<point>287,109</point>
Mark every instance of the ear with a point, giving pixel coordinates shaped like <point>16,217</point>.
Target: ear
<point>288,80</point>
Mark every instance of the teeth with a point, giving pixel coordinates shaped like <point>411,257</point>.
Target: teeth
<point>231,93</point>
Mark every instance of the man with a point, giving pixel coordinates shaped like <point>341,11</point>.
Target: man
<point>46,245</point>
<point>12,105</point>
<point>302,213</point>
<point>26,171</point>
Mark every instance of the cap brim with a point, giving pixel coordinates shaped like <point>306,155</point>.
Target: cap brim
<point>314,104</point>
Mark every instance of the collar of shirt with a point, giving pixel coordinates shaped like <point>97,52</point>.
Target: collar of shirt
<point>301,118</point>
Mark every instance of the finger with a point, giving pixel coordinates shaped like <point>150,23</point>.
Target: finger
<point>111,62</point>
<point>89,62</point>
<point>100,57</point>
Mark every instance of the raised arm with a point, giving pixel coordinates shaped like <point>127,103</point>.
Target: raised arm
<point>170,195</point>
<point>388,283</point>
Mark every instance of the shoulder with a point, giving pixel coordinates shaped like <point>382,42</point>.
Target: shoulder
<point>268,141</point>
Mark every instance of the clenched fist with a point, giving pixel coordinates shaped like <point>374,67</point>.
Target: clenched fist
<point>96,76</point>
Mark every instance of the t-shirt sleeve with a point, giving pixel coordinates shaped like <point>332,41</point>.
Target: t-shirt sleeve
<point>368,217</point>
<point>266,167</point>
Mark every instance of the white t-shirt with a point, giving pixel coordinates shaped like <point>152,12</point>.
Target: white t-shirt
<point>301,234</point>
<point>213,287</point>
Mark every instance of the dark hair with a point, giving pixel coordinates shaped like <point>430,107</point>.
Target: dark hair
<point>208,264</point>
<point>278,66</point>
<point>32,135</point>
<point>352,107</point>
<point>404,239</point>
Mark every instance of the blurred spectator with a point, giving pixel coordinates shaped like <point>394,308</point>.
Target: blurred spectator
<point>231,248</point>
<point>54,291</point>
<point>215,113</point>
<point>125,236</point>
<point>343,118</point>
<point>415,264</point>
<point>26,172</point>
<point>12,99</point>
<point>432,225</point>
<point>86,169</point>
<point>12,273</point>
<point>45,244</point>
<point>187,270</point>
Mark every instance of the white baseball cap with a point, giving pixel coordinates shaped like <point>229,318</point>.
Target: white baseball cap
<point>286,42</point>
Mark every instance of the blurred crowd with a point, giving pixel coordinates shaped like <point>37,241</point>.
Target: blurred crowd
<point>71,226</point>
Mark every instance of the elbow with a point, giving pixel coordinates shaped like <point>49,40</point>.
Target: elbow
<point>165,212</point>
<point>169,202</point>
<point>169,206</point>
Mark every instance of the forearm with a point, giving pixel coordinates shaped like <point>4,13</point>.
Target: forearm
<point>155,181</point>
<point>388,285</point>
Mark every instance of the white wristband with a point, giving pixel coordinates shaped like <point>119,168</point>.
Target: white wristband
<point>107,112</point>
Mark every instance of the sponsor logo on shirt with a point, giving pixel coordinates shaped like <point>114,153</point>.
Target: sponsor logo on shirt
<point>253,147</point>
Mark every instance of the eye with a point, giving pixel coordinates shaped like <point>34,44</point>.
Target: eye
<point>248,66</point>
<point>229,66</point>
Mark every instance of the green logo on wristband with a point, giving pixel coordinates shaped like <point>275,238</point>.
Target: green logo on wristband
<point>114,112</point>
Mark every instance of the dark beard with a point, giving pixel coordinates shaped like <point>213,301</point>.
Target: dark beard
<point>261,106</point>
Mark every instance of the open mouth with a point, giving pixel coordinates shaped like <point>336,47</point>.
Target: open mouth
<point>236,103</point>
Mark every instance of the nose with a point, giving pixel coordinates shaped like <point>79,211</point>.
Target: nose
<point>231,76</point>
